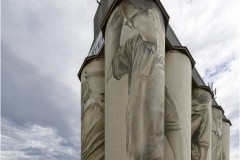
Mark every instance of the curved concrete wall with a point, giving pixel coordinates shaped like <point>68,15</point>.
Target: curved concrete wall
<point>92,114</point>
<point>134,85</point>
<point>216,135</point>
<point>179,88</point>
<point>225,141</point>
<point>201,124</point>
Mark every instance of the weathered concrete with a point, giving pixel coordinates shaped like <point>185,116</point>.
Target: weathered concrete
<point>178,84</point>
<point>135,76</point>
<point>92,116</point>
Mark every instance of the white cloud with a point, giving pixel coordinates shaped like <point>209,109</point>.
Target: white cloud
<point>208,28</point>
<point>34,142</point>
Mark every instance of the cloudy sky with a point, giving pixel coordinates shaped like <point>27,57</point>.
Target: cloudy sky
<point>44,43</point>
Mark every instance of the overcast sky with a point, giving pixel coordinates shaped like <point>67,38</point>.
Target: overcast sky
<point>44,43</point>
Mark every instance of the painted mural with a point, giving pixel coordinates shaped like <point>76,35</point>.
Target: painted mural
<point>92,118</point>
<point>216,134</point>
<point>141,58</point>
<point>201,102</point>
<point>173,149</point>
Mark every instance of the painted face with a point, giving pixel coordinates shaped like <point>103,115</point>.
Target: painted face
<point>144,23</point>
<point>130,20</point>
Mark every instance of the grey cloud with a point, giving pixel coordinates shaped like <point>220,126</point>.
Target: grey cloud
<point>34,142</point>
<point>33,151</point>
<point>28,96</point>
<point>41,55</point>
<point>49,35</point>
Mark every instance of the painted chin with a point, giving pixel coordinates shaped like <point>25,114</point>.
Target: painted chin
<point>149,38</point>
<point>148,33</point>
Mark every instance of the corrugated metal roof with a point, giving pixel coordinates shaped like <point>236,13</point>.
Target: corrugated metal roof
<point>171,37</point>
<point>197,78</point>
